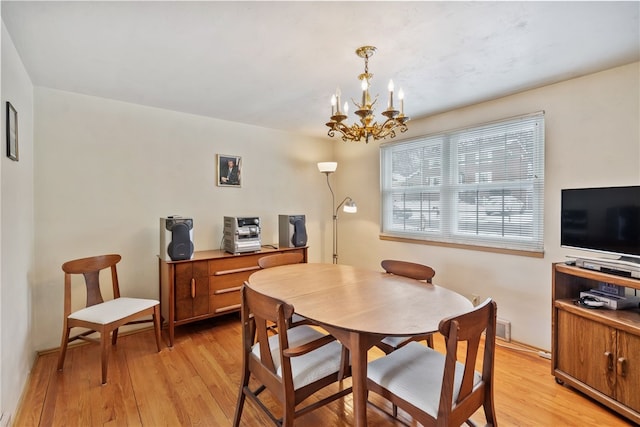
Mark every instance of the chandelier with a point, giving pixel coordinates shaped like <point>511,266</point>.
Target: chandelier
<point>368,127</point>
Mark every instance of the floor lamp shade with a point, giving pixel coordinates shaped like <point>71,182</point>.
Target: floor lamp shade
<point>327,167</point>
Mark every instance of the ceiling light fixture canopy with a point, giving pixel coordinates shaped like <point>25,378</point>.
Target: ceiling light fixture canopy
<point>368,127</point>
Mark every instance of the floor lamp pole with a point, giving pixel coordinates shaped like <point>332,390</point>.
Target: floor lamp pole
<point>335,220</point>
<point>328,168</point>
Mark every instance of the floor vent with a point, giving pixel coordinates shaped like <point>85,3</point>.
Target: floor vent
<point>503,330</point>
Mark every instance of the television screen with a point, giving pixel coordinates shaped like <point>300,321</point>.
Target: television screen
<point>601,219</point>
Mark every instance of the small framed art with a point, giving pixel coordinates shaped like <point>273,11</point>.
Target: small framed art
<point>229,170</point>
<point>12,132</point>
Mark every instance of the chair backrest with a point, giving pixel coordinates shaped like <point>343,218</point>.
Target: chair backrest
<point>280,259</point>
<point>408,269</point>
<point>90,267</point>
<point>258,311</point>
<point>468,328</point>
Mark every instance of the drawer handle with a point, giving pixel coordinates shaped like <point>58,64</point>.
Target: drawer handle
<point>226,291</point>
<point>609,357</point>
<point>622,366</point>
<point>228,308</point>
<point>193,287</point>
<point>236,270</point>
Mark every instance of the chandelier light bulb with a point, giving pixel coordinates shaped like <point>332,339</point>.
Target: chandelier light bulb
<point>401,98</point>
<point>390,87</point>
<point>364,85</point>
<point>346,108</point>
<point>333,104</point>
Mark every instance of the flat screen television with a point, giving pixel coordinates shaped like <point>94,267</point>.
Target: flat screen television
<point>605,220</point>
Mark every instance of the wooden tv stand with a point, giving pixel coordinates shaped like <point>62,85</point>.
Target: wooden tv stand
<point>596,351</point>
<point>208,285</point>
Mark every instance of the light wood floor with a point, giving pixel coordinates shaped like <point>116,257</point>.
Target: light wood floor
<point>195,383</point>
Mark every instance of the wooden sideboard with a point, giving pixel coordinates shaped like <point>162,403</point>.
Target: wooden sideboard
<point>208,285</point>
<point>596,351</point>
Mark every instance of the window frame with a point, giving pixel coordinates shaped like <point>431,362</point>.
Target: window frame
<point>524,237</point>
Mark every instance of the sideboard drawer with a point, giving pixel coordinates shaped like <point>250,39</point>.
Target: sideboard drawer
<point>225,302</point>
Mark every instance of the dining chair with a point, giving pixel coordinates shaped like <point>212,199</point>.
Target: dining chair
<point>435,388</point>
<point>285,258</point>
<point>280,259</point>
<point>415,271</point>
<point>98,315</point>
<point>292,365</point>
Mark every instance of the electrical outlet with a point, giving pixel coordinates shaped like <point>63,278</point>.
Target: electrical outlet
<point>475,299</point>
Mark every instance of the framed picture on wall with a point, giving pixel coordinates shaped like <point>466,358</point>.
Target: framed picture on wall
<point>12,132</point>
<point>229,170</point>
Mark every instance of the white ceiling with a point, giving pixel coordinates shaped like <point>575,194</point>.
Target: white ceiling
<point>276,64</point>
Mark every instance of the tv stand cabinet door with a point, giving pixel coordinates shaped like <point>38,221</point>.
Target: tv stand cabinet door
<point>587,351</point>
<point>628,370</point>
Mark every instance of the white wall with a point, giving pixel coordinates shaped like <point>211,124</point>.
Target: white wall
<point>106,171</point>
<point>592,139</point>
<point>16,233</point>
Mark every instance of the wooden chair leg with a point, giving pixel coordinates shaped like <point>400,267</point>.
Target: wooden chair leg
<point>430,341</point>
<point>239,407</point>
<point>114,336</point>
<point>489,410</point>
<point>344,364</point>
<point>289,414</point>
<point>241,395</point>
<point>156,324</point>
<point>104,343</point>
<point>63,346</point>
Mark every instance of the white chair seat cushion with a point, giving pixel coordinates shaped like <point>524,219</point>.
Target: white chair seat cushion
<point>297,318</point>
<point>112,310</point>
<point>311,366</point>
<point>394,341</point>
<point>414,373</point>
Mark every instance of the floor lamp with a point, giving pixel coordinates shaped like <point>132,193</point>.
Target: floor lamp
<point>347,204</point>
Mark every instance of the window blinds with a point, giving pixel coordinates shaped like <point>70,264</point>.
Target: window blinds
<point>481,185</point>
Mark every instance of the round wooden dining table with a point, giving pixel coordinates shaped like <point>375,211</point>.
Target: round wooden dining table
<point>359,307</point>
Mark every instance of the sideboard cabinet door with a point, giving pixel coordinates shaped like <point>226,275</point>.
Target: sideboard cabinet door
<point>192,289</point>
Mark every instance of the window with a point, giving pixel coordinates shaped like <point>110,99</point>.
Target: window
<point>481,186</point>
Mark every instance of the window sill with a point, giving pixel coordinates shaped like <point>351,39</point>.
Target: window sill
<point>517,252</point>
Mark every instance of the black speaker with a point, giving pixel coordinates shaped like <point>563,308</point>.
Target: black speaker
<point>292,231</point>
<point>176,238</point>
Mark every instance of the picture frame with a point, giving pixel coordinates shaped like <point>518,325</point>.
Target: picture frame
<point>12,132</point>
<point>229,170</point>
